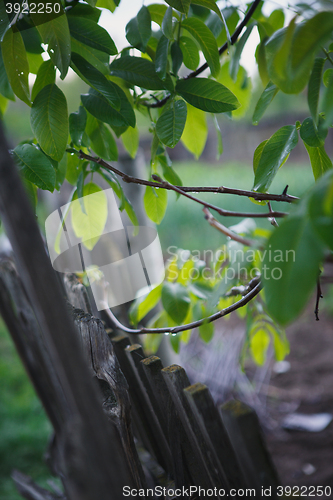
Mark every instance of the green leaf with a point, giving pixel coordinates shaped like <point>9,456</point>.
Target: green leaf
<point>290,52</point>
<point>309,38</point>
<point>137,71</point>
<point>31,190</point>
<point>74,168</point>
<point>161,58</point>
<point>321,208</point>
<point>35,61</point>
<point>96,79</point>
<point>273,155</point>
<point>219,149</point>
<point>168,173</point>
<point>166,26</point>
<point>61,172</point>
<point>143,305</point>
<point>4,20</point>
<point>260,55</point>
<point>84,10</point>
<point>55,33</point>
<point>312,135</point>
<point>177,57</point>
<point>259,342</point>
<point>5,88</point>
<point>138,30</point>
<point>209,4</point>
<point>16,64</point>
<point>289,283</point>
<point>100,108</point>
<point>155,201</point>
<point>176,301</point>
<point>327,102</point>
<point>101,139</point>
<point>207,42</point>
<point>264,101</point>
<point>190,52</point>
<point>196,131</point>
<point>91,34</point>
<point>157,12</point>
<point>100,60</point>
<point>206,331</point>
<point>89,226</point>
<point>130,140</point>
<point>181,5</point>
<point>234,62</point>
<point>35,167</point>
<point>77,125</point>
<point>171,123</point>
<point>107,4</point>
<point>31,37</point>
<point>281,344</point>
<point>46,75</point>
<point>241,87</point>
<point>207,95</point>
<point>314,87</point>
<point>49,121</point>
<point>320,162</point>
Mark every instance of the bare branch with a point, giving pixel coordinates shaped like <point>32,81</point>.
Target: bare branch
<point>254,289</point>
<point>166,185</point>
<point>223,229</point>
<point>192,189</point>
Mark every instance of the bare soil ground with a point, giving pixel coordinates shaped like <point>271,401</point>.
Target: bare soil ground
<point>306,388</point>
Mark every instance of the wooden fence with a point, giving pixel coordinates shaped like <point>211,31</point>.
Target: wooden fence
<point>99,391</point>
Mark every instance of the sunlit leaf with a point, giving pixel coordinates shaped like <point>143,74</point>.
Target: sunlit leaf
<point>207,95</point>
<point>175,300</point>
<point>206,40</point>
<point>196,131</point>
<point>155,202</point>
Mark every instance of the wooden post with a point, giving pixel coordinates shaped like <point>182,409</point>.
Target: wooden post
<point>248,441</point>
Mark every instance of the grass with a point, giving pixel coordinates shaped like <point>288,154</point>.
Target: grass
<point>184,224</point>
<point>24,428</point>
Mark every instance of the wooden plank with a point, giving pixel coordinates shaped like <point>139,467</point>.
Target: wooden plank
<point>120,343</point>
<point>244,430</point>
<point>163,455</point>
<point>97,464</point>
<point>216,436</point>
<point>169,420</point>
<point>177,380</point>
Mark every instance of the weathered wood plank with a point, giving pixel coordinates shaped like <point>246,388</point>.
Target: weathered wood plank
<point>135,355</point>
<point>77,293</point>
<point>104,365</point>
<point>101,471</point>
<point>120,343</point>
<point>244,430</point>
<point>216,437</point>
<point>177,380</point>
<point>169,420</point>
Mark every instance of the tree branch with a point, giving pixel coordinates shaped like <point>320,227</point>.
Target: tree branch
<point>222,49</point>
<point>178,189</point>
<point>286,198</point>
<point>254,289</point>
<point>223,229</point>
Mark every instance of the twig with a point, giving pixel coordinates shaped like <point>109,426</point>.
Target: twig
<point>189,326</point>
<point>193,189</point>
<point>319,296</point>
<point>223,229</point>
<point>166,185</point>
<point>222,49</point>
<point>272,220</point>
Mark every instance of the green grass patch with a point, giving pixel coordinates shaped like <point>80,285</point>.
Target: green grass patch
<point>24,427</point>
<point>184,225</point>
